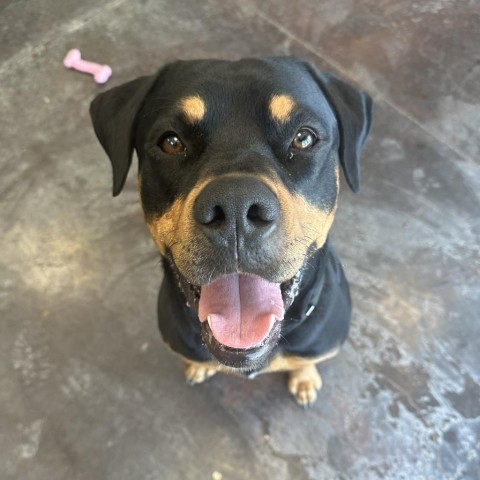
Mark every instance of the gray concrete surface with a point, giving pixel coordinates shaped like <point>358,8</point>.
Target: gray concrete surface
<point>88,390</point>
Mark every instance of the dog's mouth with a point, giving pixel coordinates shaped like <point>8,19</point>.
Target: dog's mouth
<point>240,314</point>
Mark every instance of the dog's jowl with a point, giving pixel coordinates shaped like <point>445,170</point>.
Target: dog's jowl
<point>239,177</point>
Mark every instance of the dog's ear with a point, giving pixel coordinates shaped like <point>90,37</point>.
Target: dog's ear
<point>113,115</point>
<point>353,110</point>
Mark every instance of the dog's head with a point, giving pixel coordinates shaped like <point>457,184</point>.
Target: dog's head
<point>239,177</point>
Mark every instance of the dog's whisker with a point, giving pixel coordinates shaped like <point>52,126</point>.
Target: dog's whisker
<point>211,275</point>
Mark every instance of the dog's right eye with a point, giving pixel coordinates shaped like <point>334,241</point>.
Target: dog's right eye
<point>304,139</point>
<point>171,144</point>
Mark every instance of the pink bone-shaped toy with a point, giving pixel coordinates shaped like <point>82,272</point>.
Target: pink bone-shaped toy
<point>73,59</point>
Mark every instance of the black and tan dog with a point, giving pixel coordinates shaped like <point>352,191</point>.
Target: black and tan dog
<point>239,178</point>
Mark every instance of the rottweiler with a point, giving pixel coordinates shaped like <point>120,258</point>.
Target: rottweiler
<point>238,179</point>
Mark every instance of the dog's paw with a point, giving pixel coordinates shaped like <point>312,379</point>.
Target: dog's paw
<point>303,384</point>
<point>199,372</point>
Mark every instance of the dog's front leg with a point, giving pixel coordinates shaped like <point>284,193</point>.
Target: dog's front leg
<point>198,372</point>
<point>304,383</point>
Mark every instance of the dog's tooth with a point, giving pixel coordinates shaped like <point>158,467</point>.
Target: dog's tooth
<point>187,304</point>
<point>209,319</point>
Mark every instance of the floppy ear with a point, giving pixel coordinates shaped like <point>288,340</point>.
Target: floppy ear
<point>113,115</point>
<point>353,110</point>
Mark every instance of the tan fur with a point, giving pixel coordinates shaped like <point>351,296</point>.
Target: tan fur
<point>287,363</point>
<point>280,107</point>
<point>198,372</point>
<point>193,108</point>
<point>304,383</point>
<point>176,223</point>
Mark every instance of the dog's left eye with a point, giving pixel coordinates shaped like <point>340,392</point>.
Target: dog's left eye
<point>303,139</point>
<point>171,144</point>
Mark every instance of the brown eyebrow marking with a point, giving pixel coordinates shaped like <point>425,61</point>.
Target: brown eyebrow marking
<point>193,107</point>
<point>281,107</point>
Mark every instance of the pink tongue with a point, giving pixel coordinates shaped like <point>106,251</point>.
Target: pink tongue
<point>242,309</point>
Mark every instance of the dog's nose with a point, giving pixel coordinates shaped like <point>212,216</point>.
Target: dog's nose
<point>237,210</point>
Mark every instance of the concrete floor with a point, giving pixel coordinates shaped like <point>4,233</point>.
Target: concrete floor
<point>87,389</point>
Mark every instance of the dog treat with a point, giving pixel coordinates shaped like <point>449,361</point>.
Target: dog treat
<point>73,59</point>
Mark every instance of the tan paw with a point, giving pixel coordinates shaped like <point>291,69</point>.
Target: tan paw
<point>199,372</point>
<point>304,384</point>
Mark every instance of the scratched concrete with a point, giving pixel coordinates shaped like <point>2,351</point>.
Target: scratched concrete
<point>88,391</point>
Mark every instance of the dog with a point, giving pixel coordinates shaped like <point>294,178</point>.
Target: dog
<point>238,179</point>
